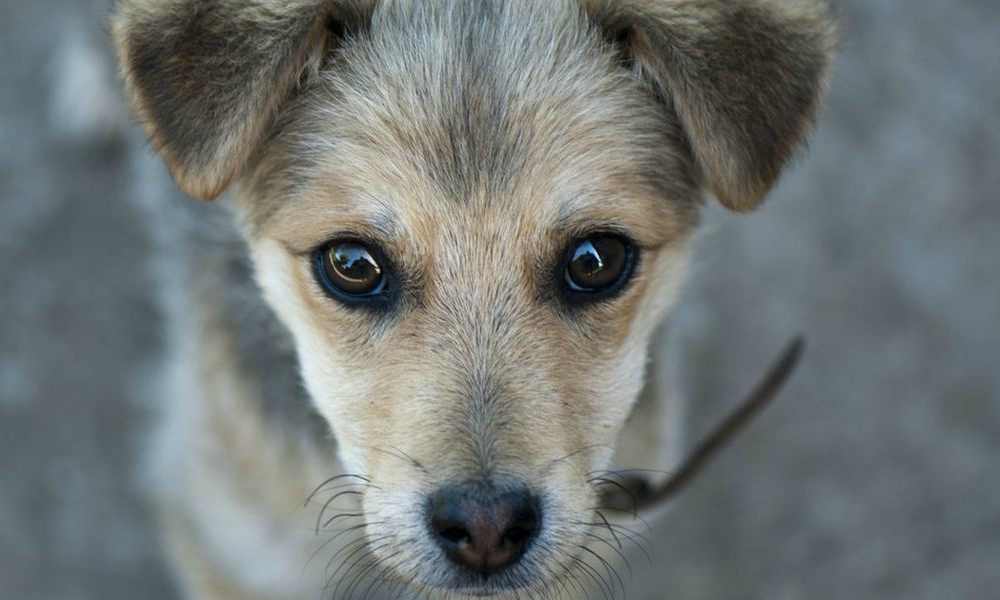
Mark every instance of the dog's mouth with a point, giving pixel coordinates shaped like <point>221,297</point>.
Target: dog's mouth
<point>492,586</point>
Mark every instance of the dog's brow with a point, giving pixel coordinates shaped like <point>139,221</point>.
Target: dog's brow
<point>638,216</point>
<point>579,207</point>
<point>306,231</point>
<point>383,221</point>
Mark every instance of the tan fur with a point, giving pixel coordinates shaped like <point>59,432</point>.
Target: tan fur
<point>472,142</point>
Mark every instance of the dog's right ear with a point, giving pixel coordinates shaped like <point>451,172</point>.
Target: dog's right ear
<point>207,77</point>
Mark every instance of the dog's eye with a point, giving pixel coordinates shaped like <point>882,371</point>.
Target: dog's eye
<point>350,269</point>
<point>598,265</point>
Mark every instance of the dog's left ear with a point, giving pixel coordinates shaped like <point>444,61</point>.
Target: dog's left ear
<point>745,78</point>
<point>207,77</point>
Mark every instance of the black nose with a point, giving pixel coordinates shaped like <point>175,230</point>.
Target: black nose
<point>484,532</point>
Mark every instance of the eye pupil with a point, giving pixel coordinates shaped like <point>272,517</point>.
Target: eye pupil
<point>352,269</point>
<point>597,263</point>
<point>587,260</point>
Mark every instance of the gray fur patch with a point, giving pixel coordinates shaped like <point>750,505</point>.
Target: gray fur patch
<point>202,264</point>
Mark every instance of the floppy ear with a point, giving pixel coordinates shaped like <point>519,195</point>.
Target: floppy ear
<point>744,77</point>
<point>207,77</point>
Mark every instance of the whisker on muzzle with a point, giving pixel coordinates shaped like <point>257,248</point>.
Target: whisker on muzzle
<point>619,551</point>
<point>364,549</point>
<point>364,570</point>
<point>595,576</point>
<point>396,452</point>
<point>355,485</point>
<point>612,571</point>
<point>552,463</point>
<point>640,541</point>
<point>362,480</point>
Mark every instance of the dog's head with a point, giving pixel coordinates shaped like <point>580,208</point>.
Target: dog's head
<point>472,215</point>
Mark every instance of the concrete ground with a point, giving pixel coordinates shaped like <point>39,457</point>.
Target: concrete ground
<point>874,477</point>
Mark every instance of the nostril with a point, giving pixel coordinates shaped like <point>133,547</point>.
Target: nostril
<point>524,518</point>
<point>455,535</point>
<point>517,535</point>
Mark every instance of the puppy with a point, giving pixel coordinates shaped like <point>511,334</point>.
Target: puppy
<point>468,217</point>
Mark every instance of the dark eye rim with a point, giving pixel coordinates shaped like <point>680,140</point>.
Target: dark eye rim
<point>574,297</point>
<point>378,300</point>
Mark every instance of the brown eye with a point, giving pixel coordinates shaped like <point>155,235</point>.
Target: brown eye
<point>600,263</point>
<point>351,269</point>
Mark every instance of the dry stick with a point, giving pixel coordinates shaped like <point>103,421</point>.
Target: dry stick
<point>725,431</point>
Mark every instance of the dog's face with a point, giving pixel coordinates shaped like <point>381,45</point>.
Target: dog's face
<point>472,274</point>
<point>472,216</point>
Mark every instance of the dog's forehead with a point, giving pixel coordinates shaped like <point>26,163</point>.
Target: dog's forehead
<point>479,104</point>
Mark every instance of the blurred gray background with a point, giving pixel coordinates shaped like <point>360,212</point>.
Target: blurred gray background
<point>876,476</point>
